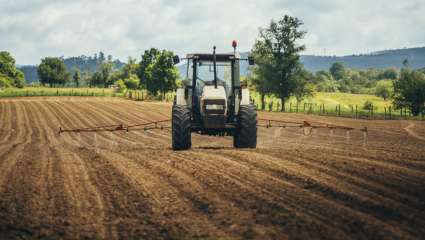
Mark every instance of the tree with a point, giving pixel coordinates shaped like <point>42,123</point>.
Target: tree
<point>409,91</point>
<point>278,57</point>
<point>52,71</point>
<point>77,78</point>
<point>390,73</point>
<point>10,76</point>
<point>337,70</point>
<point>262,73</point>
<point>96,80</point>
<point>145,66</point>
<point>383,89</point>
<point>156,71</point>
<point>130,68</point>
<point>132,82</point>
<point>164,74</point>
<point>106,69</point>
<point>101,57</point>
<point>303,88</point>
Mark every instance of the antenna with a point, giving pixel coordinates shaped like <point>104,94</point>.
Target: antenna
<point>215,67</point>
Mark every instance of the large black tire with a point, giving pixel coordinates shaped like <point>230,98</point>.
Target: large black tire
<point>246,130</point>
<point>181,137</point>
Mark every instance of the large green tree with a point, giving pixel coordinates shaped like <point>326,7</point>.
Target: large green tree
<point>409,91</point>
<point>145,66</point>
<point>164,74</point>
<point>156,71</point>
<point>10,76</point>
<point>278,59</point>
<point>53,71</point>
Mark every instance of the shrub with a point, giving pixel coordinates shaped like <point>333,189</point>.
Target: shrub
<point>368,105</point>
<point>120,84</point>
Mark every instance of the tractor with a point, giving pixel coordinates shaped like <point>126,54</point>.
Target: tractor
<point>212,101</point>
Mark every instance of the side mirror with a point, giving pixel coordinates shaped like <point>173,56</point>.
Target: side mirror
<point>176,59</point>
<point>251,60</point>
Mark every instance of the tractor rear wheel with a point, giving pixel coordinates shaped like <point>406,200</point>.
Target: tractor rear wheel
<point>181,134</point>
<point>246,130</point>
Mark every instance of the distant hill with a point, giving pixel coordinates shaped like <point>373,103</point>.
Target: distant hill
<point>378,60</point>
<point>83,63</point>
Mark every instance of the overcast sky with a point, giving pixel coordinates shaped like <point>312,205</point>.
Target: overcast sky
<point>32,29</point>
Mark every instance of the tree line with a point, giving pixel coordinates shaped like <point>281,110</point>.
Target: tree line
<point>155,73</point>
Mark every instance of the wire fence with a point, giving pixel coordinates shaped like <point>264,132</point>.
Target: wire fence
<point>351,111</point>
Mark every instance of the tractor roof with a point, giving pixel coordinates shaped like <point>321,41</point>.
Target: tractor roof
<point>209,56</point>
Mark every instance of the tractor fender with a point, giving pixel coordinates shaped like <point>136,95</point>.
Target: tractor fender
<point>180,97</point>
<point>246,98</point>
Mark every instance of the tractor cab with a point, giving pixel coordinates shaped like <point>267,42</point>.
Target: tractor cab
<point>214,88</point>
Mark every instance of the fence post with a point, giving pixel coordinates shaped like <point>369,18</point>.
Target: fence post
<point>372,111</point>
<point>357,114</point>
<point>385,113</point>
<point>389,112</point>
<point>57,91</point>
<point>304,108</point>
<point>297,107</point>
<point>290,107</point>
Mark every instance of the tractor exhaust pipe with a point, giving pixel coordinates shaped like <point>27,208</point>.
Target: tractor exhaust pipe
<point>215,67</point>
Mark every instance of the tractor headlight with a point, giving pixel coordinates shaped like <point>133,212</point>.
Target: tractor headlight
<point>214,107</point>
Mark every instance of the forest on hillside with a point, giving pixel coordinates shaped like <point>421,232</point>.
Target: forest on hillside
<point>87,65</point>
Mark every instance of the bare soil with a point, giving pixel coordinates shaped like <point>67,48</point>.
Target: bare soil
<point>131,185</point>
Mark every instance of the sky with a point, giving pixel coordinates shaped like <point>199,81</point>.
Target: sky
<point>33,29</point>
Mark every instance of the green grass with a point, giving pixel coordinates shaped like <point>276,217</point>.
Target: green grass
<point>45,91</point>
<point>346,101</point>
<point>85,92</point>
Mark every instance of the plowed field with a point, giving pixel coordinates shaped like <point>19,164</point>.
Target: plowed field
<point>131,185</point>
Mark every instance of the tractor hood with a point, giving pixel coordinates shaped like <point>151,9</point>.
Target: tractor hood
<point>213,99</point>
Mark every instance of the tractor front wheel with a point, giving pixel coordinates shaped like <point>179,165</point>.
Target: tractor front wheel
<point>181,134</point>
<point>246,130</point>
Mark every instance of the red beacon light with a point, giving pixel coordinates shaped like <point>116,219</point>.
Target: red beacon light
<point>234,44</point>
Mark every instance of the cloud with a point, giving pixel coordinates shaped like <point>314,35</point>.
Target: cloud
<point>34,29</point>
